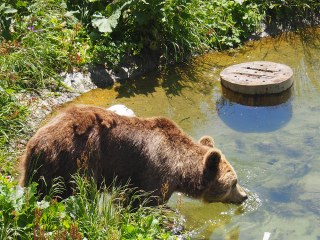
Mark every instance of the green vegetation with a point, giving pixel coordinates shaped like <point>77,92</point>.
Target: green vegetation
<point>12,120</point>
<point>40,39</point>
<point>290,14</point>
<point>41,43</point>
<point>88,214</point>
<point>11,116</point>
<point>174,29</point>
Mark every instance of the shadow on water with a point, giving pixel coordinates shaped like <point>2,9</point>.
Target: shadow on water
<point>259,113</point>
<point>131,88</point>
<point>297,16</point>
<point>172,80</point>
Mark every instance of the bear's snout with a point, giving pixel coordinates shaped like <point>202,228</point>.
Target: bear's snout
<point>237,195</point>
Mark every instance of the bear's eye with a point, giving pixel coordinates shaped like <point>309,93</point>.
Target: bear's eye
<point>235,183</point>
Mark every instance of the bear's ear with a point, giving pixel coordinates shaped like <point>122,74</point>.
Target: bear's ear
<point>105,121</point>
<point>83,123</point>
<point>207,141</point>
<point>212,159</point>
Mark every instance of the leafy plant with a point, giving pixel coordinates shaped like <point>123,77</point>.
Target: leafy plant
<point>46,43</point>
<point>87,214</point>
<point>6,16</point>
<point>16,209</point>
<point>229,23</point>
<point>285,15</point>
<point>173,29</point>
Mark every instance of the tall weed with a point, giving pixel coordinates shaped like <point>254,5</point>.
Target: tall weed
<point>107,215</point>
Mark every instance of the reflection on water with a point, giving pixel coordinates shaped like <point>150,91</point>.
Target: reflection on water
<point>254,113</point>
<point>257,100</point>
<point>253,119</point>
<point>274,149</point>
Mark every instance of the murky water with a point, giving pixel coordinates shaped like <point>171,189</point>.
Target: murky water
<point>275,149</point>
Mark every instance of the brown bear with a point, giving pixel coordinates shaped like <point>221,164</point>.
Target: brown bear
<point>151,153</point>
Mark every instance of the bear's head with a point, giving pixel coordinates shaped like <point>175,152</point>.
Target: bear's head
<point>220,179</point>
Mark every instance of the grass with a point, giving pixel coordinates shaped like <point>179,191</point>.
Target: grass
<point>12,116</point>
<point>33,64</point>
<point>12,123</point>
<point>42,44</point>
<point>88,214</point>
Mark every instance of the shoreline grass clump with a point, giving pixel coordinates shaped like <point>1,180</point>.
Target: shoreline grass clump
<point>88,214</point>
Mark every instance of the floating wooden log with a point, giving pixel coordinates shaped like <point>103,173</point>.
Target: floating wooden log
<point>259,77</point>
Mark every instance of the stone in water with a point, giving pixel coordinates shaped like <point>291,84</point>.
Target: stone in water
<point>122,110</point>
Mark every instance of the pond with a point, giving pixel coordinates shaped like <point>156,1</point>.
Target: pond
<point>274,147</point>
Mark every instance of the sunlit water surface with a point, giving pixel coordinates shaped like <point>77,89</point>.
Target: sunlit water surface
<point>274,149</point>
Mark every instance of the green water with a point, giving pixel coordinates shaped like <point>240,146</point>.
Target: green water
<point>275,150</point>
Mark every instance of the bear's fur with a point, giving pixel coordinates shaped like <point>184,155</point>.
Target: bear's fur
<point>153,153</point>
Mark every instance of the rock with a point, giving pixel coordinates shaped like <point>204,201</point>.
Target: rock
<point>100,76</point>
<point>121,109</point>
<point>79,82</point>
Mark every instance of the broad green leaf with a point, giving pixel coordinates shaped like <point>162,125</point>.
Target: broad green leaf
<point>106,25</point>
<point>10,10</point>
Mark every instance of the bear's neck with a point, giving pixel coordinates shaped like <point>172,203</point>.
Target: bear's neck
<point>188,170</point>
